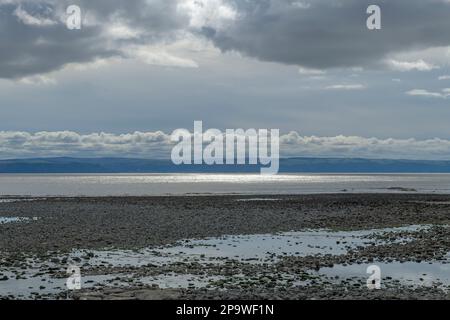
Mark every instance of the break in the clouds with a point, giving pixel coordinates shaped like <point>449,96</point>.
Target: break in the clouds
<point>157,145</point>
<point>311,34</point>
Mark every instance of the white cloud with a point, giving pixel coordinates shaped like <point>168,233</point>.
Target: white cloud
<point>38,80</point>
<point>121,31</point>
<point>24,144</point>
<point>346,87</point>
<point>432,56</point>
<point>446,77</point>
<point>30,20</point>
<point>15,144</point>
<point>301,5</point>
<point>158,55</point>
<point>311,72</point>
<point>211,13</point>
<point>353,146</point>
<point>426,93</point>
<point>419,65</point>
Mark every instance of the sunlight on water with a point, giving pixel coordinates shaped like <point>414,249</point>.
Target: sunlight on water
<point>225,178</point>
<point>181,184</point>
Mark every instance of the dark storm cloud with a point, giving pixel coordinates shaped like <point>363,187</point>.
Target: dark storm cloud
<point>328,33</point>
<point>30,49</point>
<point>44,44</point>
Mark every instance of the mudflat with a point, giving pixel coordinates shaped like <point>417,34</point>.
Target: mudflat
<point>39,236</point>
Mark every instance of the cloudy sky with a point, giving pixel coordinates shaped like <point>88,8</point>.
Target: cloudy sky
<point>139,69</point>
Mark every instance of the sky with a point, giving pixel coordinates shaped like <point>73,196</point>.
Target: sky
<point>137,70</point>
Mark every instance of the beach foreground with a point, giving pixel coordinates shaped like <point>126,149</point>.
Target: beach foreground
<point>226,247</point>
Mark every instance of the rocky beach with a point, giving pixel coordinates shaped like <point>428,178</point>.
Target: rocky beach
<point>226,247</point>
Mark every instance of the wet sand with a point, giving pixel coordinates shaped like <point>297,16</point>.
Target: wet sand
<point>40,238</point>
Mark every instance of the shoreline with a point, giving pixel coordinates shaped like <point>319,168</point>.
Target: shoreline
<point>394,191</point>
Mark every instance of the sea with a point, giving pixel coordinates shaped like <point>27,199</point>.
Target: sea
<point>71,185</point>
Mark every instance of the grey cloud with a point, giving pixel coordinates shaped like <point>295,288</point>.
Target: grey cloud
<point>317,34</point>
<point>323,34</point>
<point>15,144</point>
<point>29,47</point>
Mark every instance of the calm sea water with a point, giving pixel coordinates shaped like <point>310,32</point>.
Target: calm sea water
<point>182,184</point>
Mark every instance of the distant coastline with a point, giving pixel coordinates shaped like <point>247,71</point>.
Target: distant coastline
<point>287,165</point>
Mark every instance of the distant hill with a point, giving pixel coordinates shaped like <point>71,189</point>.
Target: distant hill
<point>301,165</point>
